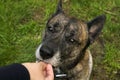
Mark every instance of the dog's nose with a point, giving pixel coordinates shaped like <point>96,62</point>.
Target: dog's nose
<point>46,52</point>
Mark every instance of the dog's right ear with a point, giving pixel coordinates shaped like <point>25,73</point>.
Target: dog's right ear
<point>58,10</point>
<point>59,7</point>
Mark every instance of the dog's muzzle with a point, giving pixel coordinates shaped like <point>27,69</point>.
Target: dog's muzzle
<point>47,55</point>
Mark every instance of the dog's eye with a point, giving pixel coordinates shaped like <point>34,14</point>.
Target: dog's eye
<point>54,28</point>
<point>71,40</point>
<point>51,28</point>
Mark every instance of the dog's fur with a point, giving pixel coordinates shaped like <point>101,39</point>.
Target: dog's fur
<point>65,44</point>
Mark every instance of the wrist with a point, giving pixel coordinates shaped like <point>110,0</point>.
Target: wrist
<point>28,67</point>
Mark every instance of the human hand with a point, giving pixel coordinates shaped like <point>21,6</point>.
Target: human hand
<point>40,71</point>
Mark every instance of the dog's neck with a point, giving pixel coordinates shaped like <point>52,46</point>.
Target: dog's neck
<point>69,67</point>
<point>75,73</point>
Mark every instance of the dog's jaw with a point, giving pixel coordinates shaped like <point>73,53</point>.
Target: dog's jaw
<point>54,61</point>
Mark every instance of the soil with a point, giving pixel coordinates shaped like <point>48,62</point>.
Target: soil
<point>100,71</point>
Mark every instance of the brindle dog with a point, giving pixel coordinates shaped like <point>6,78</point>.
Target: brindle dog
<point>65,44</point>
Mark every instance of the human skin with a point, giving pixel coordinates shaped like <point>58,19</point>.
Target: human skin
<point>39,71</point>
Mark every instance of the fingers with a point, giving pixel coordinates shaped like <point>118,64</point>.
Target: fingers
<point>39,70</point>
<point>49,73</point>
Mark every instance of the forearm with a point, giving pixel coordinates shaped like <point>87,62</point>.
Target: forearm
<point>14,72</point>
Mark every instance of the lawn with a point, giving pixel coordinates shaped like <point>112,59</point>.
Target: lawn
<point>22,23</point>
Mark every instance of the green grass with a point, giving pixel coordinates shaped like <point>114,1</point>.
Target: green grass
<point>22,22</point>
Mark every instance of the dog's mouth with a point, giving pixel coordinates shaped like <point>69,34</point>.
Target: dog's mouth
<point>38,60</point>
<point>54,61</point>
<point>46,61</point>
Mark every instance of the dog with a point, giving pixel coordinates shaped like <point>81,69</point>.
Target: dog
<point>65,44</point>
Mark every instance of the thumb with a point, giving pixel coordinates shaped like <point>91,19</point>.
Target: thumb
<point>49,73</point>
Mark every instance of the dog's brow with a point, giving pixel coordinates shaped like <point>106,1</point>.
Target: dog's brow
<point>70,21</point>
<point>56,24</point>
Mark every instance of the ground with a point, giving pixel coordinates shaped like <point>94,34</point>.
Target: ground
<point>22,23</point>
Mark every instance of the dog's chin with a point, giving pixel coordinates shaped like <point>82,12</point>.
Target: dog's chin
<point>54,64</point>
<point>50,61</point>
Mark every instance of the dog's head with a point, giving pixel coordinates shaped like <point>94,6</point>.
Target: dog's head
<point>65,37</point>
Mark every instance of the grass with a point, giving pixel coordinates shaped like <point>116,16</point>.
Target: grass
<point>22,22</point>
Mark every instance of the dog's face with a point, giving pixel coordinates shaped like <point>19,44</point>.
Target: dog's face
<point>65,38</point>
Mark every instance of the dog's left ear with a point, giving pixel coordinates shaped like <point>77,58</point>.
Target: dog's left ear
<point>95,26</point>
